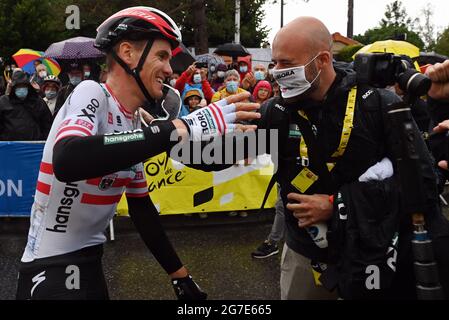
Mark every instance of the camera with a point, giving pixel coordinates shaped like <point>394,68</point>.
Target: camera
<point>386,69</point>
<point>200,65</point>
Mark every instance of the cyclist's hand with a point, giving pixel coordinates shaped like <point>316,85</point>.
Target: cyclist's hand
<point>187,289</point>
<point>221,117</point>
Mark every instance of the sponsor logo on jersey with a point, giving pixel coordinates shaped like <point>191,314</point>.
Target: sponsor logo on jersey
<point>63,124</point>
<point>124,137</point>
<point>84,124</point>
<point>139,175</point>
<point>119,121</point>
<point>71,192</point>
<point>107,182</point>
<point>90,111</point>
<point>110,121</point>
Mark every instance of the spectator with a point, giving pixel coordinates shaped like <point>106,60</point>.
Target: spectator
<point>270,72</point>
<point>24,116</point>
<point>197,78</point>
<point>247,79</point>
<point>232,86</point>
<point>37,80</point>
<point>51,88</point>
<point>76,75</point>
<point>260,72</point>
<point>218,79</point>
<point>262,91</point>
<point>193,99</point>
<point>173,78</point>
<point>87,72</point>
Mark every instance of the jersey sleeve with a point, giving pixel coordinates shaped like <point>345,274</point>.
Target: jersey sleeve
<point>138,187</point>
<point>82,112</point>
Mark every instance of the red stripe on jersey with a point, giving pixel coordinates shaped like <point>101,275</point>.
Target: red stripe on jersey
<point>46,168</point>
<point>222,117</point>
<point>73,128</point>
<point>43,187</point>
<point>137,195</point>
<point>118,182</point>
<point>214,113</point>
<point>136,185</point>
<point>100,200</point>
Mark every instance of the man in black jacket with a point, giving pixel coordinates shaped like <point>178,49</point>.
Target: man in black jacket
<point>337,144</point>
<point>24,115</point>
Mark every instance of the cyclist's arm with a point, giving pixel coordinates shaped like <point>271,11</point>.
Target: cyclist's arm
<point>79,158</point>
<point>147,222</point>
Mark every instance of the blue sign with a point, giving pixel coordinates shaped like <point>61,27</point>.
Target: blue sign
<point>19,168</point>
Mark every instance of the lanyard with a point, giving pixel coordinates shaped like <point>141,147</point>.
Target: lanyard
<point>345,134</point>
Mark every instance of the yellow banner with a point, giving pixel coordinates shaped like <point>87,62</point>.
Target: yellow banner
<point>177,189</point>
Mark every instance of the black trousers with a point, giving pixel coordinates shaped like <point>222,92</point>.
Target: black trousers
<point>73,276</point>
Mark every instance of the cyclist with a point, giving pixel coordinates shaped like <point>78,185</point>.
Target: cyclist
<point>94,153</point>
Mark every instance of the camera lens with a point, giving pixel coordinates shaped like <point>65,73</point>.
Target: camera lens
<point>414,82</point>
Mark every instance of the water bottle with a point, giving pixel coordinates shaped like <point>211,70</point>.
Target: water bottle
<point>318,232</point>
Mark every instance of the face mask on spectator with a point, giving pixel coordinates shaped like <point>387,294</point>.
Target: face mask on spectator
<point>232,86</point>
<point>75,80</point>
<point>197,78</point>
<point>87,74</point>
<point>259,75</point>
<point>270,72</point>
<point>21,93</point>
<point>173,82</point>
<point>243,69</point>
<point>51,94</point>
<point>221,74</point>
<point>42,74</point>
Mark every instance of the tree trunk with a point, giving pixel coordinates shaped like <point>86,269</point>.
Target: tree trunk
<point>200,25</point>
<point>350,32</point>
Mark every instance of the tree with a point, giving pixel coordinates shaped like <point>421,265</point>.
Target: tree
<point>346,53</point>
<point>426,28</point>
<point>396,16</point>
<point>396,25</point>
<point>25,24</point>
<point>442,44</point>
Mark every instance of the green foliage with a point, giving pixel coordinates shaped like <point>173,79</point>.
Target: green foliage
<point>396,16</point>
<point>347,52</point>
<point>442,45</point>
<point>35,24</point>
<point>395,25</point>
<point>389,32</point>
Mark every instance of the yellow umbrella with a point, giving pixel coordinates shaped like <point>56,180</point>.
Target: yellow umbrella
<point>391,46</point>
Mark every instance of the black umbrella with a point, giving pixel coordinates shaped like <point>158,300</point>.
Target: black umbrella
<point>430,58</point>
<point>232,50</point>
<point>182,59</point>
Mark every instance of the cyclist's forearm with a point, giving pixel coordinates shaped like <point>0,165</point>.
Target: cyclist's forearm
<point>147,222</point>
<point>80,158</point>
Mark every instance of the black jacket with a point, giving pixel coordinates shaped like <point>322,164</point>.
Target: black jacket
<point>25,120</point>
<point>369,143</point>
<point>62,97</point>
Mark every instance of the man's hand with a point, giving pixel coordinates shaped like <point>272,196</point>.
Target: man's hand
<point>439,74</point>
<point>442,127</point>
<point>310,210</point>
<point>191,69</point>
<point>221,117</point>
<point>249,81</point>
<point>203,73</point>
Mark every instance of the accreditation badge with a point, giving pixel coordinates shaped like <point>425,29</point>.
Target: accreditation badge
<point>304,180</point>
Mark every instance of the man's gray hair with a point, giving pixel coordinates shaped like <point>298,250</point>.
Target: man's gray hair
<point>232,72</point>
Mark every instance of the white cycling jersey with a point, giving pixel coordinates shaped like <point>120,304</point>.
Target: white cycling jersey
<point>67,217</point>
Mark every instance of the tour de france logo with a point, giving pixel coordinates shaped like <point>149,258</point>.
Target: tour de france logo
<point>160,175</point>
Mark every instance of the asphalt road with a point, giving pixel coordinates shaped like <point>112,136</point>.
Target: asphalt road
<point>216,251</point>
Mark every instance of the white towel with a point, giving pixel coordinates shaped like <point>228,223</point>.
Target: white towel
<point>378,172</point>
